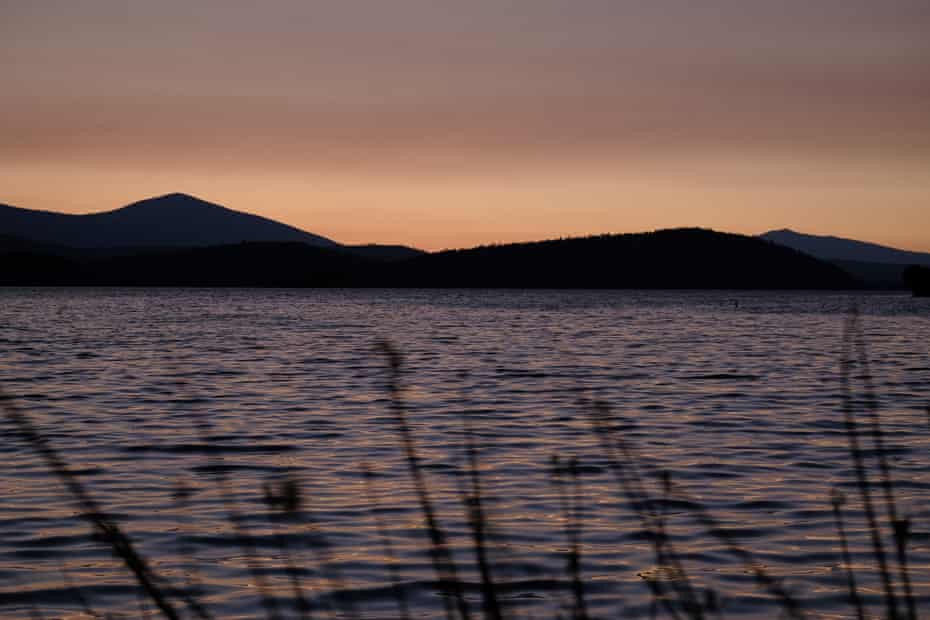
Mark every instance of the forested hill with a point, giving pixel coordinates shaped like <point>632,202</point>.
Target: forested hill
<point>678,258</point>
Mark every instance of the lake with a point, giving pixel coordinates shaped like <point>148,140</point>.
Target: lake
<point>176,409</point>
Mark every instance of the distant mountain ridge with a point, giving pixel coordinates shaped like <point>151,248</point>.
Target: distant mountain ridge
<point>677,258</point>
<point>172,220</point>
<point>840,249</point>
<point>876,266</point>
<point>177,239</point>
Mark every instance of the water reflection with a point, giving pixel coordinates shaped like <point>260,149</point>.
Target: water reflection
<point>741,405</point>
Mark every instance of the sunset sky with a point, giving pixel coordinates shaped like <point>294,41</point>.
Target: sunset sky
<point>446,124</point>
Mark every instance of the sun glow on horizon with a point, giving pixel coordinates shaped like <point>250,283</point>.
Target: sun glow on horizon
<point>437,125</point>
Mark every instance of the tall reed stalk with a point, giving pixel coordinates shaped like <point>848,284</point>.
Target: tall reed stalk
<point>105,528</point>
<point>443,562</point>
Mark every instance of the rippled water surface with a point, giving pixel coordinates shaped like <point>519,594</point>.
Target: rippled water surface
<point>220,394</point>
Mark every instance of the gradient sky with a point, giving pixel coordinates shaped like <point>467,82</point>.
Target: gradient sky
<point>446,124</point>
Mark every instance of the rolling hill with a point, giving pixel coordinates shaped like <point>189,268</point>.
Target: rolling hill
<point>675,258</point>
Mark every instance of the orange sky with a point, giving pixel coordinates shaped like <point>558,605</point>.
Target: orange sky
<point>448,124</point>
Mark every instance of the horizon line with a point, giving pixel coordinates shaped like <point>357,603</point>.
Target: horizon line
<point>553,237</point>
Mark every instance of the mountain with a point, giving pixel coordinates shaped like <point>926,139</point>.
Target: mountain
<point>839,249</point>
<point>876,266</point>
<point>680,258</point>
<point>173,220</point>
<point>677,258</point>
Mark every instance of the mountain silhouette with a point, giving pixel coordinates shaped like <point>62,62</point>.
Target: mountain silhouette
<point>180,240</point>
<point>679,258</point>
<point>172,220</point>
<point>676,258</point>
<point>840,249</point>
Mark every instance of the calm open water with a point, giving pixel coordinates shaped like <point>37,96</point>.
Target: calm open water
<point>221,392</point>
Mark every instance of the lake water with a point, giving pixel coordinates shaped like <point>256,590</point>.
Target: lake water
<point>222,392</point>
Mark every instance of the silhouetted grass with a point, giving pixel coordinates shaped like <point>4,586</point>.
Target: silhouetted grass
<point>396,586</point>
<point>570,504</point>
<point>625,466</point>
<point>182,495</point>
<point>477,521</point>
<point>838,501</point>
<point>283,501</point>
<point>900,527</point>
<point>443,562</point>
<point>105,528</point>
<point>855,354</point>
<point>240,529</point>
<point>647,493</point>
